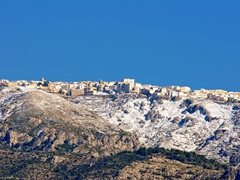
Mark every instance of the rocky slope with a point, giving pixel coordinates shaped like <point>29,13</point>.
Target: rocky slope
<point>44,136</point>
<point>190,124</point>
<point>41,128</point>
<point>161,168</point>
<point>151,163</point>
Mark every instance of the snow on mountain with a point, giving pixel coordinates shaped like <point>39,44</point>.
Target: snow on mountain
<point>38,118</point>
<point>202,125</point>
<point>191,124</point>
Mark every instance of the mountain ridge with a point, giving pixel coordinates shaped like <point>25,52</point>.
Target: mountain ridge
<point>58,133</point>
<point>200,125</point>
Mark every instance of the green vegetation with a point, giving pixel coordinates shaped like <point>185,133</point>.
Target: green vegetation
<point>184,157</point>
<point>20,165</point>
<point>104,167</point>
<point>110,166</point>
<point>28,162</point>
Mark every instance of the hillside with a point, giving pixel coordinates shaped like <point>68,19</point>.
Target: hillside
<point>38,130</point>
<point>204,126</point>
<point>45,136</point>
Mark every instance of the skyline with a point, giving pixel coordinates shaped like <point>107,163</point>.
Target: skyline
<point>194,44</point>
<point>116,81</point>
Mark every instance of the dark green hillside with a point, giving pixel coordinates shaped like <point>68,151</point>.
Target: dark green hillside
<point>109,167</point>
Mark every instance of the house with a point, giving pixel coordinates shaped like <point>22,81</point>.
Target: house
<point>4,81</point>
<point>182,94</point>
<point>128,81</point>
<point>137,88</point>
<point>163,90</point>
<point>89,93</point>
<point>12,84</point>
<point>173,93</point>
<point>127,87</point>
<point>3,84</point>
<point>86,90</point>
<point>76,92</point>
<point>185,89</point>
<point>100,87</point>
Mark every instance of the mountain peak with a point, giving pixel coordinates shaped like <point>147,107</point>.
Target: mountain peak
<point>37,118</point>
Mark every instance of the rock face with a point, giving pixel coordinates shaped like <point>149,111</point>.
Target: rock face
<point>190,124</point>
<point>35,120</point>
<point>42,134</point>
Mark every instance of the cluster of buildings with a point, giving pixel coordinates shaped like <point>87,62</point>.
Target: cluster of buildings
<point>126,85</point>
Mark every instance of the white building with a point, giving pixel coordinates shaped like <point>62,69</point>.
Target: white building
<point>5,80</point>
<point>128,81</point>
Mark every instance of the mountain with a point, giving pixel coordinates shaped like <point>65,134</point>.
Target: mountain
<point>49,136</point>
<point>39,130</point>
<point>204,126</point>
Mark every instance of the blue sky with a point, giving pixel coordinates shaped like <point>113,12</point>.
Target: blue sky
<point>186,43</point>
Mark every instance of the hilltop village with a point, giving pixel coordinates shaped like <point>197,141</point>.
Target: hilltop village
<point>126,85</point>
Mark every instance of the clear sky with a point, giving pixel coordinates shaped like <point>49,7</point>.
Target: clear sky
<point>186,43</point>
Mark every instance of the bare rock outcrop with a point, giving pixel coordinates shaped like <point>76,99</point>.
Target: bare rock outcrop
<point>36,120</point>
